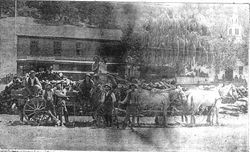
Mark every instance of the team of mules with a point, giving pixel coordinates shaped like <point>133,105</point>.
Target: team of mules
<point>186,103</point>
<point>189,102</point>
<point>198,100</point>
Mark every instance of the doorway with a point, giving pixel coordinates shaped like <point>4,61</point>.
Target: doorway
<point>229,74</point>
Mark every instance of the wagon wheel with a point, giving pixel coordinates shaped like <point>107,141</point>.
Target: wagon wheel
<point>35,111</point>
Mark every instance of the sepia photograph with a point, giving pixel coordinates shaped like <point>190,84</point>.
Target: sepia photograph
<point>124,76</point>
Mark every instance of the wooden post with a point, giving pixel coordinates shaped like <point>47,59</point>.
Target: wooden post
<point>178,49</point>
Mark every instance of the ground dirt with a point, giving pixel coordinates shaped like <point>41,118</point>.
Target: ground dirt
<point>230,136</point>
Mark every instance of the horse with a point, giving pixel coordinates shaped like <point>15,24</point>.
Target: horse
<point>159,100</point>
<point>203,99</point>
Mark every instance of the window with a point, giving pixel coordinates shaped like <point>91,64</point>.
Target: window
<point>57,47</point>
<point>33,47</point>
<point>66,67</point>
<point>237,31</point>
<point>78,48</point>
<point>230,31</point>
<point>241,70</point>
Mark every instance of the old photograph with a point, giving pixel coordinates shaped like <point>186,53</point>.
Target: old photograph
<point>124,76</point>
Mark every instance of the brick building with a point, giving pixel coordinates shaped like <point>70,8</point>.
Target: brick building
<point>26,45</point>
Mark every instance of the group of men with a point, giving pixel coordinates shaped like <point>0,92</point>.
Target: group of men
<point>111,97</point>
<point>54,96</point>
<point>110,94</point>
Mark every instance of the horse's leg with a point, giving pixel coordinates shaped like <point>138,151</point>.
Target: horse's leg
<point>156,120</point>
<point>164,115</point>
<point>191,118</point>
<point>217,115</point>
<point>138,120</point>
<point>209,117</point>
<point>186,118</point>
<point>194,119</point>
<point>133,120</point>
<point>182,118</point>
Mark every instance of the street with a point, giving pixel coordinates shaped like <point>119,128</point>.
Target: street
<point>230,136</point>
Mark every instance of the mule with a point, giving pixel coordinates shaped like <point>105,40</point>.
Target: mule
<point>207,98</point>
<point>159,100</point>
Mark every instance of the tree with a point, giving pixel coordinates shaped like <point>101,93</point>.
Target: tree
<point>190,34</point>
<point>97,14</point>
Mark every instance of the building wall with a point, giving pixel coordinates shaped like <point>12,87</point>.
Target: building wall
<point>7,46</point>
<point>46,47</point>
<point>26,28</point>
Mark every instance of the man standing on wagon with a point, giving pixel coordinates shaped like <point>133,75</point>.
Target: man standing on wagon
<point>95,65</point>
<point>131,101</point>
<point>33,85</point>
<point>108,100</point>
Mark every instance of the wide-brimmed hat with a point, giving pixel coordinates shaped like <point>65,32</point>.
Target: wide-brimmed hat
<point>32,71</point>
<point>108,85</point>
<point>133,84</point>
<point>96,57</point>
<point>87,75</point>
<point>48,85</point>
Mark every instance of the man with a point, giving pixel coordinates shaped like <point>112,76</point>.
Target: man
<point>60,100</point>
<point>85,89</point>
<point>103,66</point>
<point>108,100</point>
<point>96,92</point>
<point>33,85</point>
<point>48,95</point>
<point>131,102</point>
<point>95,65</point>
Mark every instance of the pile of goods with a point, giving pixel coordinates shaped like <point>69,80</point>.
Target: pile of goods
<point>6,100</point>
<point>158,84</point>
<point>238,106</point>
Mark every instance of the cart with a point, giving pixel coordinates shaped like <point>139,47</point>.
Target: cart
<point>35,111</point>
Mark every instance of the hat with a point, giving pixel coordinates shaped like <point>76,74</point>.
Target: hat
<point>133,84</point>
<point>96,57</point>
<point>108,84</point>
<point>32,71</point>
<point>48,84</point>
<point>87,74</point>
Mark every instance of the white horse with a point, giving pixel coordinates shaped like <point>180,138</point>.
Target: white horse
<point>198,98</point>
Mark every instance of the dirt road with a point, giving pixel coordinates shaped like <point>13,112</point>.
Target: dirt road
<point>232,136</point>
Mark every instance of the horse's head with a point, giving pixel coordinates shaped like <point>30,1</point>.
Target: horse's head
<point>182,96</point>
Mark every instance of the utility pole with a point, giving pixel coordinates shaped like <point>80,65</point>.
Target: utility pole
<point>15,35</point>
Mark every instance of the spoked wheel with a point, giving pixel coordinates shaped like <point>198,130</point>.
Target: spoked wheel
<point>35,111</point>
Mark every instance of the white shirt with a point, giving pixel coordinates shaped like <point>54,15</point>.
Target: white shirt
<point>102,67</point>
<point>112,96</point>
<point>32,81</point>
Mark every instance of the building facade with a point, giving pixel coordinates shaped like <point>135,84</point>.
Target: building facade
<point>27,45</point>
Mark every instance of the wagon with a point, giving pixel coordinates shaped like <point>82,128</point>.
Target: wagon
<point>34,110</point>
